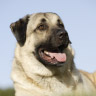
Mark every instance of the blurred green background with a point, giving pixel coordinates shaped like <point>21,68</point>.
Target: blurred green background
<point>7,92</point>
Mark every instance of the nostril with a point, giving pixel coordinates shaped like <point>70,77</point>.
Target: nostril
<point>61,35</point>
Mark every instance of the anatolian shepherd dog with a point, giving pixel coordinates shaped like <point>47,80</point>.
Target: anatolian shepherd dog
<point>43,64</point>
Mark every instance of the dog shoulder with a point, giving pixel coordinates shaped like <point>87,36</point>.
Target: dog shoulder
<point>90,76</point>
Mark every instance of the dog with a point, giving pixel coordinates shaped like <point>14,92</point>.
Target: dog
<point>43,64</point>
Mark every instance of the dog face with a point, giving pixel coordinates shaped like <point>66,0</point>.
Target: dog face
<point>44,36</point>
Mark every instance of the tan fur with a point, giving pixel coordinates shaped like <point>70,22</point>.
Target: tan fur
<point>91,76</point>
<point>32,78</point>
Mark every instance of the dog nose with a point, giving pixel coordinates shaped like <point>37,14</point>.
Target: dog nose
<point>62,34</point>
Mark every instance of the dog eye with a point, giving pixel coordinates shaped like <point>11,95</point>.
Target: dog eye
<point>42,27</point>
<point>61,25</point>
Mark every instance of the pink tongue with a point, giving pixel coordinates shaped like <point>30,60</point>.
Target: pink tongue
<point>61,57</point>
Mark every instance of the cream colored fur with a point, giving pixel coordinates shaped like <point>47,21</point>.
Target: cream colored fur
<point>32,78</point>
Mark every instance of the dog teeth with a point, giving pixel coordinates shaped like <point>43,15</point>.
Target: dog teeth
<point>46,52</point>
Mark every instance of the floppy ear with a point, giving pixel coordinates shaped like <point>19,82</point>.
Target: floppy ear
<point>19,29</point>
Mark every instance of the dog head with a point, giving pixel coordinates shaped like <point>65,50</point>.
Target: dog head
<point>44,35</point>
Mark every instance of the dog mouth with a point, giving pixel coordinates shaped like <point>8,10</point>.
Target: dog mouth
<point>52,57</point>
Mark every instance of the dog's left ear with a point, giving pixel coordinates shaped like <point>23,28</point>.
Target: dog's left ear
<point>19,29</point>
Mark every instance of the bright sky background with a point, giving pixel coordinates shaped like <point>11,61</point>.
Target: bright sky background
<point>79,17</point>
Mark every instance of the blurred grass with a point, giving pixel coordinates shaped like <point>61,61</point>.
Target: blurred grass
<point>11,92</point>
<point>7,92</point>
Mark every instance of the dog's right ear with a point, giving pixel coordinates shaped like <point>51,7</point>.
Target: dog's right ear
<point>19,29</point>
